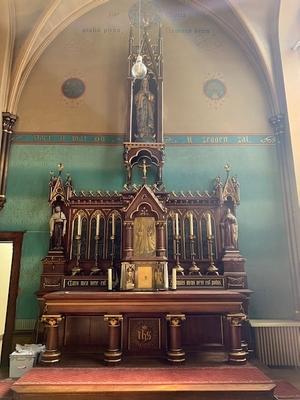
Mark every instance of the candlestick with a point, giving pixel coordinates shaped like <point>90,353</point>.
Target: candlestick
<point>212,269</point>
<point>174,278</point>
<point>95,269</point>
<point>79,225</point>
<point>176,225</point>
<point>76,269</point>
<point>177,255</point>
<point>97,224</point>
<point>113,224</point>
<point>191,224</point>
<point>109,279</point>
<point>208,225</point>
<point>194,269</point>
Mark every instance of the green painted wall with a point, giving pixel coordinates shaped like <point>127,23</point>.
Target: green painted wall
<point>261,225</point>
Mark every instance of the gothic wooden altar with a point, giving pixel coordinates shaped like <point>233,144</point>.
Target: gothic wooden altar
<point>143,270</point>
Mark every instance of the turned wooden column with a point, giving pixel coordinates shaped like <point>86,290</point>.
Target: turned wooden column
<point>161,239</point>
<point>237,354</point>
<point>128,240</point>
<point>113,353</point>
<point>51,354</point>
<point>175,353</point>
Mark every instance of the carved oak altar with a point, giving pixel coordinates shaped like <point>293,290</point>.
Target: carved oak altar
<point>143,270</point>
<point>146,321</point>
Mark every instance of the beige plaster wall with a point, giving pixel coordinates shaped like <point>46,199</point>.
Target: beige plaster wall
<point>289,33</point>
<point>95,49</point>
<point>6,252</point>
<point>27,14</point>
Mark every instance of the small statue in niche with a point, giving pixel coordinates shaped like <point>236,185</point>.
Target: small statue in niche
<point>57,225</point>
<point>144,102</point>
<point>130,277</point>
<point>231,230</point>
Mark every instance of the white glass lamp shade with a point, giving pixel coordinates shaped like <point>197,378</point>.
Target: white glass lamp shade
<point>139,70</point>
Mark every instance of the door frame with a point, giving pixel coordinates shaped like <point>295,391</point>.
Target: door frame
<point>16,238</point>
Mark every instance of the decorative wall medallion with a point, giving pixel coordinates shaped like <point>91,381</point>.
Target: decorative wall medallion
<point>215,89</point>
<point>73,88</point>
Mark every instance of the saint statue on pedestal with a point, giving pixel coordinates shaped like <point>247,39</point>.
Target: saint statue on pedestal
<point>57,225</point>
<point>230,230</point>
<point>144,102</point>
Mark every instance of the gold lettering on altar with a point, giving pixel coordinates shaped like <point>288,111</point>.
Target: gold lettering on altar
<point>144,334</point>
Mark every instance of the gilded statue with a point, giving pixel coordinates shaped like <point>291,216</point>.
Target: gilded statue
<point>230,230</point>
<point>144,102</point>
<point>57,226</point>
<point>144,236</point>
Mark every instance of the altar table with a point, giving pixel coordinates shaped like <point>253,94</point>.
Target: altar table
<point>173,306</point>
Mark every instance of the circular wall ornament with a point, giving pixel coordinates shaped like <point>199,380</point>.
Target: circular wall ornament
<point>215,89</point>
<point>73,88</point>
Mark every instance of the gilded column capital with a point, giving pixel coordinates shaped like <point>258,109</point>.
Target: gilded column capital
<point>236,319</point>
<point>161,224</point>
<point>113,320</point>
<point>51,321</point>
<point>128,224</point>
<point>8,121</point>
<point>278,124</point>
<point>175,319</point>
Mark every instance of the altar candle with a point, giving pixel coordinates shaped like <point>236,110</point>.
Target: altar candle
<point>166,276</point>
<point>174,278</point>
<point>208,225</point>
<point>176,225</point>
<point>113,225</point>
<point>109,279</point>
<point>79,225</point>
<point>97,224</point>
<point>191,225</point>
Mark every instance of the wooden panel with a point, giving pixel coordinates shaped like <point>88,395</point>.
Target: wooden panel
<point>144,334</point>
<point>85,330</point>
<point>201,330</point>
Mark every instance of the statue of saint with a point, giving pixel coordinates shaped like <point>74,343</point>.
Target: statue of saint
<point>144,102</point>
<point>144,236</point>
<point>230,230</point>
<point>57,225</point>
<point>130,277</point>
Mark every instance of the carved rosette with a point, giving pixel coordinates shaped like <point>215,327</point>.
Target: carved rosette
<point>8,121</point>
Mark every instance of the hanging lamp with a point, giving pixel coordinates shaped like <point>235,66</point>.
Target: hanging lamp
<point>139,69</point>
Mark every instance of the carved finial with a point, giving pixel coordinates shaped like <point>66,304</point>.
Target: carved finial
<point>60,167</point>
<point>227,168</point>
